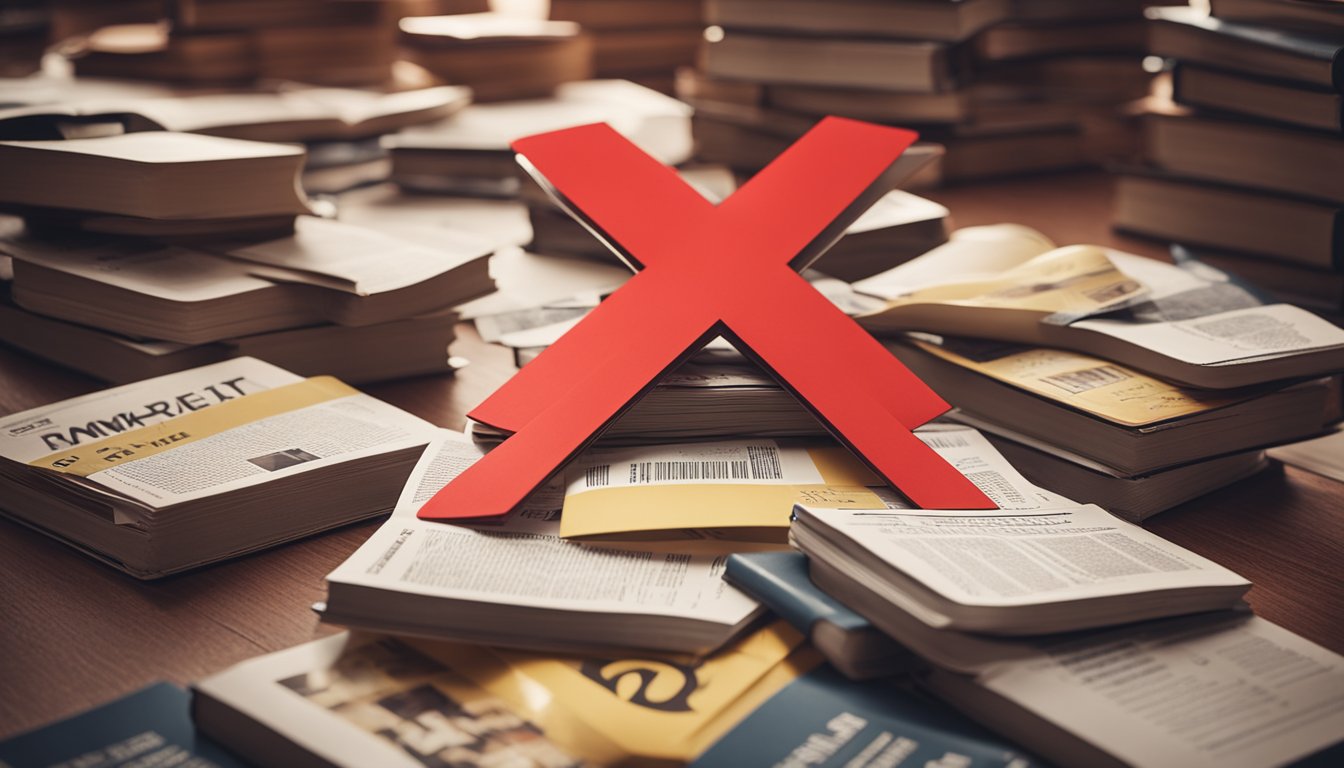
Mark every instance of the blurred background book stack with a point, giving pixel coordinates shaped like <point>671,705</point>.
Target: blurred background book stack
<point>1007,87</point>
<point>645,42</point>
<point>1244,167</point>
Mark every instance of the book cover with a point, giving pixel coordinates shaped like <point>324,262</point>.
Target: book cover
<point>822,719</point>
<point>149,727</point>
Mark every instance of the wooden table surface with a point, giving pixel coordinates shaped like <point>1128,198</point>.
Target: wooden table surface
<point>76,633</point>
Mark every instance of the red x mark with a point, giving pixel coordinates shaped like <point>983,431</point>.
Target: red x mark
<point>708,270</point>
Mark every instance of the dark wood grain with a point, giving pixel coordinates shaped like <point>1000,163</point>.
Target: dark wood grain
<point>76,633</point>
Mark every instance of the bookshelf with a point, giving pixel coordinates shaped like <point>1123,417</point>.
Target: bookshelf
<point>78,633</point>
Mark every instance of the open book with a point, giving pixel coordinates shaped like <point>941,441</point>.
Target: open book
<point>189,468</point>
<point>519,584</point>
<point>1012,285</point>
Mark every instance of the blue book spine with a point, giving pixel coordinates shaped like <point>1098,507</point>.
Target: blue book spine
<point>779,581</point>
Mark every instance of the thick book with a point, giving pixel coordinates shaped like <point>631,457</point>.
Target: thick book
<point>291,115</point>
<point>1132,497</point>
<point>1131,423</point>
<point>1307,15</point>
<point>1060,567</point>
<point>924,66</point>
<point>821,719</point>
<point>603,15</point>
<point>902,19</point>
<point>327,271</point>
<point>1280,228</point>
<point>1224,689</point>
<point>1156,317</point>
<point>353,354</point>
<point>470,153</point>
<point>186,469</point>
<point>149,727</point>
<point>363,700</point>
<point>154,175</point>
<point>849,642</point>
<point>519,584</point>
<point>1267,157</point>
<point>1189,35</point>
<point>501,57</point>
<point>1264,99</point>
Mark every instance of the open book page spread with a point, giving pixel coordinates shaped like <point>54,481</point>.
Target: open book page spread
<point>215,429</point>
<point>1233,693</point>
<point>524,561</point>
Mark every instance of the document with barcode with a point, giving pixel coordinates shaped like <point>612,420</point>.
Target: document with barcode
<point>746,489</point>
<point>522,560</point>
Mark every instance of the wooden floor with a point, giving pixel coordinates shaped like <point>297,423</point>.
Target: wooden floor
<point>74,633</point>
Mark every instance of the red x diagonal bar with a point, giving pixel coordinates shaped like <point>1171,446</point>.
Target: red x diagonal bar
<point>708,270</point>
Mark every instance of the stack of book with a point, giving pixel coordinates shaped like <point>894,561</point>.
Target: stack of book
<point>501,57</point>
<point>646,42</point>
<point>215,258</point>
<point>328,42</point>
<point>1244,167</point>
<point>1107,377</point>
<point>25,32</point>
<point>1007,87</point>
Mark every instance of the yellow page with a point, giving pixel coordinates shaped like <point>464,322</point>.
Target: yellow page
<point>1073,281</point>
<point>1089,384</point>
<point>638,709</point>
<point>743,484</point>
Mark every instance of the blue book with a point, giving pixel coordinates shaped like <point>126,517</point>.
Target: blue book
<point>150,727</point>
<point>821,719</point>
<point>779,581</point>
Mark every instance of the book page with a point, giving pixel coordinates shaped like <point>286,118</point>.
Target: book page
<point>1323,455</point>
<point>161,147</point>
<point>80,421</point>
<point>523,561</point>
<point>1231,693</point>
<point>1272,330</point>
<point>1024,558</point>
<point>972,253</point>
<point>1066,284</point>
<point>355,259</point>
<point>173,273</point>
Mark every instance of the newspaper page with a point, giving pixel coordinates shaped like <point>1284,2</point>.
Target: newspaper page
<point>1020,558</point>
<point>175,439</point>
<point>1236,693</point>
<point>75,423</point>
<point>524,561</point>
<point>707,489</point>
<point>1273,330</point>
